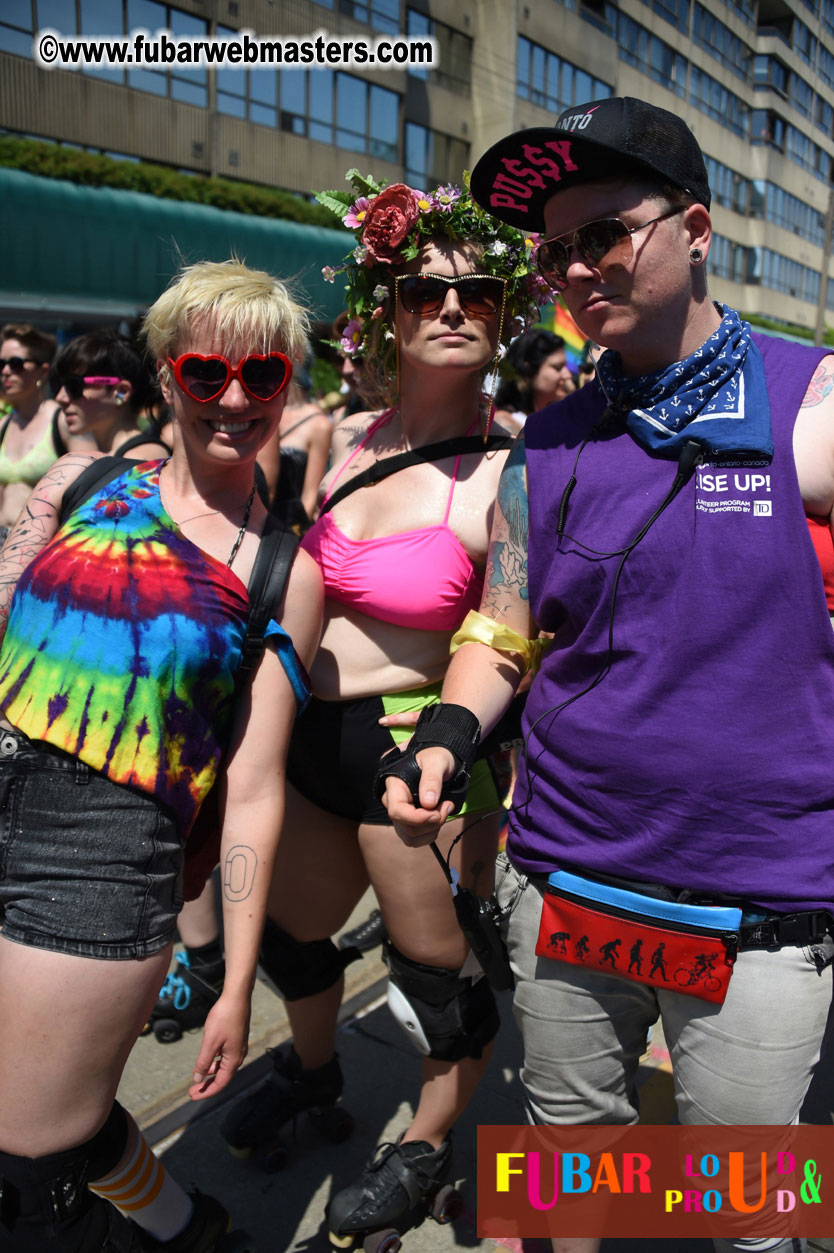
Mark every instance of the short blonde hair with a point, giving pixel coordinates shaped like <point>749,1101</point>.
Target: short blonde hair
<point>243,304</point>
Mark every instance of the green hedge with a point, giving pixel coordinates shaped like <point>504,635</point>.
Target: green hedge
<point>93,170</point>
<point>802,332</point>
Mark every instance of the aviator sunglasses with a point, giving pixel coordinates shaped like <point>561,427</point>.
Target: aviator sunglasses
<point>595,242</point>
<point>74,384</point>
<point>424,294</point>
<point>262,375</point>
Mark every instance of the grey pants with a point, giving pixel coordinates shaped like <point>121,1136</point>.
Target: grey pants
<point>749,1060</point>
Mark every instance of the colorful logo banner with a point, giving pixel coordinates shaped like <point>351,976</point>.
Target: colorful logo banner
<point>655,1182</point>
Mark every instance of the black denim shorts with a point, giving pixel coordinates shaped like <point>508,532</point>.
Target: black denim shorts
<point>87,867</point>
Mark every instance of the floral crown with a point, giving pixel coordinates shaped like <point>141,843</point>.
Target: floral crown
<point>393,223</point>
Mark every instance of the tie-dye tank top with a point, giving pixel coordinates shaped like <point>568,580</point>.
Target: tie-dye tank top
<point>122,645</point>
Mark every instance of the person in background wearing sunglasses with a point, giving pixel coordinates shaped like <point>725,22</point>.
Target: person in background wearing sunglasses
<point>118,697</point>
<point>35,433</point>
<point>103,384</point>
<point>440,288</point>
<point>677,735</point>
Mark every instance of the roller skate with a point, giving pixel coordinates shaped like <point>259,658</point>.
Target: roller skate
<point>401,1185</point>
<point>207,1232</point>
<point>254,1124</point>
<point>366,935</point>
<point>184,1002</point>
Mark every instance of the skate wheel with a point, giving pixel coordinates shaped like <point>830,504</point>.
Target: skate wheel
<point>341,1242</point>
<point>387,1241</point>
<point>240,1151</point>
<point>447,1205</point>
<point>276,1158</point>
<point>334,1123</point>
<point>167,1030</point>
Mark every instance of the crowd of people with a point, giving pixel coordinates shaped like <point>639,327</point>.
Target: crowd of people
<point>246,626</point>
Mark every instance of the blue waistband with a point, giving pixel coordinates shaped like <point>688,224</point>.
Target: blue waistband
<point>700,917</point>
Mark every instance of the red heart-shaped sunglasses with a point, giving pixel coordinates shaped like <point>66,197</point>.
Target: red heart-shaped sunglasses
<point>263,375</point>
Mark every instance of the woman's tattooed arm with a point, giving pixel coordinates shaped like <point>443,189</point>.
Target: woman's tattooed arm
<point>506,570</point>
<point>37,524</point>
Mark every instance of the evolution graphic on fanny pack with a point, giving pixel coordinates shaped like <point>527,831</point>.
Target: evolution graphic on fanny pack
<point>683,948</point>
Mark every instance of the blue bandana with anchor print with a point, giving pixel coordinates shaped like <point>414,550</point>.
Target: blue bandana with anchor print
<point>717,396</point>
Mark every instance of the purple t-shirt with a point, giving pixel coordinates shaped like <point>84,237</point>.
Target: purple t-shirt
<point>704,758</point>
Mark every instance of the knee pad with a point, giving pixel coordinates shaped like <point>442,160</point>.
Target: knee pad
<point>45,1201</point>
<point>302,968</point>
<point>445,1017</point>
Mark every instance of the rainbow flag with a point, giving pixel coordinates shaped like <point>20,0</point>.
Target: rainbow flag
<point>557,319</point>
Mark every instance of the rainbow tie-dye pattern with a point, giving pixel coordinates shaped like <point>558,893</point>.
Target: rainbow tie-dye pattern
<point>122,645</point>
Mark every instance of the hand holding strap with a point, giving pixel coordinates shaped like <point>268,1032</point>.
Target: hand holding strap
<point>440,726</point>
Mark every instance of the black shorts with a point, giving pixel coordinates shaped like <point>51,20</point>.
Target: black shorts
<point>336,747</point>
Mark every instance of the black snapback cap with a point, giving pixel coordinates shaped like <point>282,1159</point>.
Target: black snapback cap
<point>516,177</point>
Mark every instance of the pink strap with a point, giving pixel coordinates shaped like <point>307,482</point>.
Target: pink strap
<point>455,476</point>
<point>372,430</point>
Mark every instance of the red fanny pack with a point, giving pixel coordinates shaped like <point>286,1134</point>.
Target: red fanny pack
<point>666,944</point>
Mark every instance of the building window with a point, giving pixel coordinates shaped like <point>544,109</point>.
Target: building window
<point>783,274</point>
<point>638,47</point>
<point>768,128</point>
<point>189,86</point>
<point>824,117</point>
<point>720,42</point>
<point>730,260</point>
<point>674,11</point>
<point>251,94</point>
<point>432,158</point>
<point>17,29</point>
<point>743,9</point>
<point>729,188</point>
<point>454,53</point>
<point>776,205</point>
<point>708,95</point>
<point>827,15</point>
<point>770,72</point>
<point>547,80</point>
<point>801,95</point>
<point>804,43</point>
<point>825,66</point>
<point>381,14</point>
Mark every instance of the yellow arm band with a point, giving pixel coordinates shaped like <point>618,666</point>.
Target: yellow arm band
<point>477,628</point>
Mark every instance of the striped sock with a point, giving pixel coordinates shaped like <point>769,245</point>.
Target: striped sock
<point>141,1189</point>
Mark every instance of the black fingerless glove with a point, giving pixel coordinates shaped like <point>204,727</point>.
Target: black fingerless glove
<point>439,726</point>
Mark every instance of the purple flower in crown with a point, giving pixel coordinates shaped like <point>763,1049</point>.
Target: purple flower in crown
<point>351,341</point>
<point>445,197</point>
<point>356,214</point>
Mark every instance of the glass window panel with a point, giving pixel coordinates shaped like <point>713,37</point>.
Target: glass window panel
<point>147,14</point>
<point>321,94</point>
<point>56,14</point>
<point>187,24</point>
<point>188,92</point>
<point>294,91</point>
<point>235,106</point>
<point>263,86</point>
<point>384,119</point>
<point>100,17</point>
<point>352,96</point>
<point>146,80</point>
<point>262,114</point>
<point>17,41</point>
<point>538,70</point>
<point>324,134</point>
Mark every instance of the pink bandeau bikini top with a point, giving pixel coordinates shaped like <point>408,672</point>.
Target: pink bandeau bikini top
<point>420,579</point>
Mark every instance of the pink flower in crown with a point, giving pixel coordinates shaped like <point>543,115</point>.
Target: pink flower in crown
<point>445,198</point>
<point>351,341</point>
<point>390,217</point>
<point>356,214</point>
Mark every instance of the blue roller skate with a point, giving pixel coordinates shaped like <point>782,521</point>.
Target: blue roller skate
<point>184,1002</point>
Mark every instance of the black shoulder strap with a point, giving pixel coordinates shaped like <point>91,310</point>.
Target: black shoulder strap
<point>267,584</point>
<point>430,452</point>
<point>57,438</point>
<point>97,473</point>
<point>5,427</point>
<point>143,437</point>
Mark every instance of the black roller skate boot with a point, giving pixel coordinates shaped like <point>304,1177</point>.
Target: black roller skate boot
<point>366,935</point>
<point>184,1002</point>
<point>254,1124</point>
<point>207,1232</point>
<point>401,1185</point>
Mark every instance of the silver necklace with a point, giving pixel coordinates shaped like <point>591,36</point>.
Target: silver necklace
<point>210,513</point>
